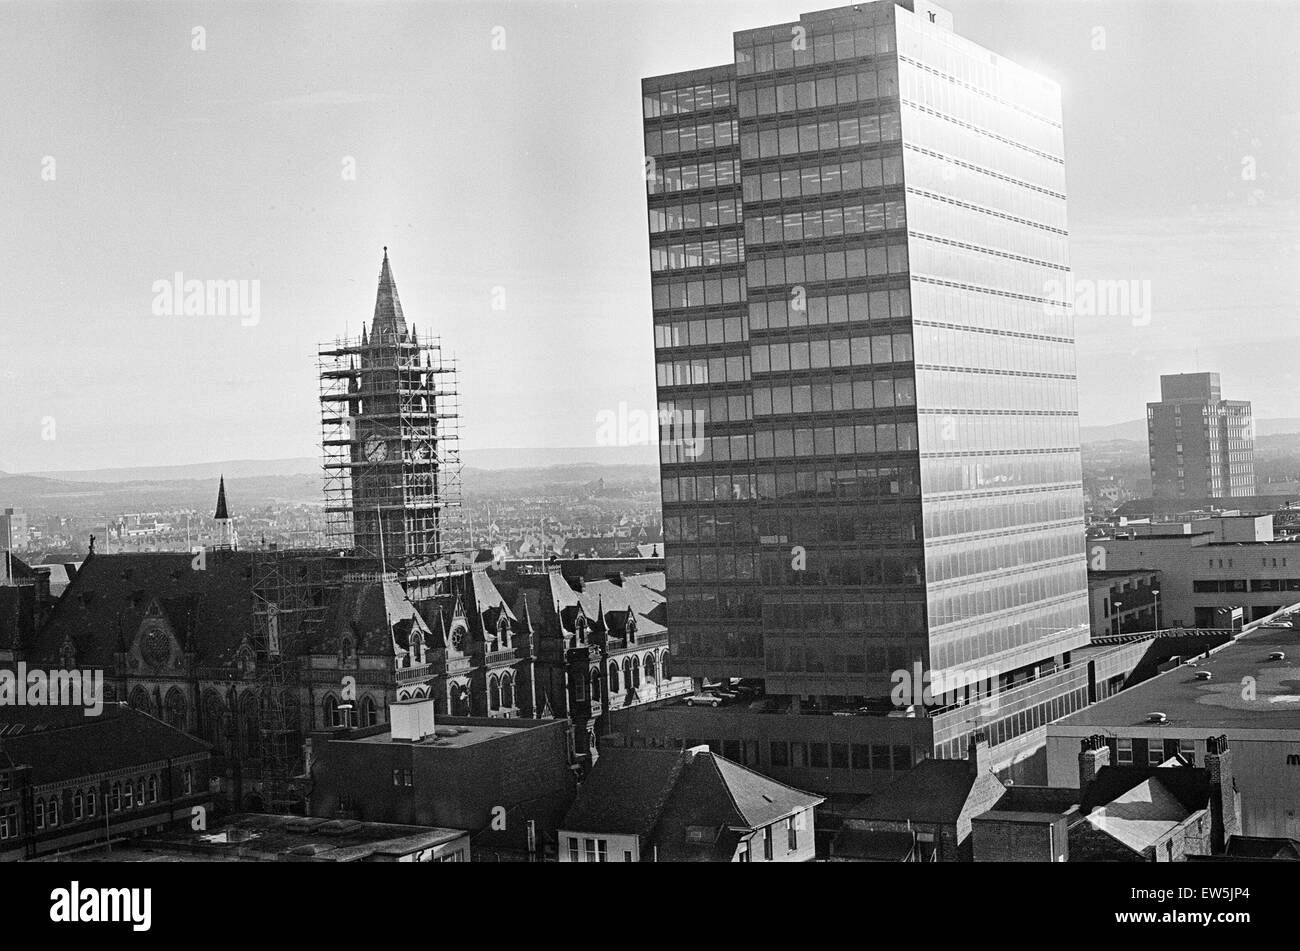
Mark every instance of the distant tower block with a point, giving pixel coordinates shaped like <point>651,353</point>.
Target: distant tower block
<point>390,435</point>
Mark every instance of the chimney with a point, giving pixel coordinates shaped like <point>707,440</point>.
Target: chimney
<point>1225,800</point>
<point>978,753</point>
<point>411,720</point>
<point>1093,755</point>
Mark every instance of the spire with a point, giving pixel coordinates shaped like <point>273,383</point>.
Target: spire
<point>221,501</point>
<point>389,323</point>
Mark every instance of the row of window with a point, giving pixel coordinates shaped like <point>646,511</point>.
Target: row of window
<point>711,370</point>
<point>771,141</point>
<point>48,812</point>
<point>700,333</point>
<point>823,92</point>
<point>700,293</point>
<point>831,265</point>
<point>861,482</point>
<point>879,393</point>
<point>944,95</point>
<point>859,756</point>
<point>807,48</point>
<point>679,256</point>
<point>832,222</point>
<point>691,137</point>
<point>861,350</point>
<point>689,216</point>
<point>864,439</point>
<point>1156,753</point>
<point>670,102</point>
<point>687,176</point>
<point>1239,585</point>
<point>805,181</point>
<point>828,309</point>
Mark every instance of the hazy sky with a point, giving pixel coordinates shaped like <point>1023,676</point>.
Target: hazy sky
<point>521,169</point>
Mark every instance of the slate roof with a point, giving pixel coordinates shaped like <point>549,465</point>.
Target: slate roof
<point>109,596</point>
<point>934,790</point>
<point>625,792</point>
<point>1189,785</point>
<point>62,743</point>
<point>1139,817</point>
<point>375,614</point>
<point>696,806</point>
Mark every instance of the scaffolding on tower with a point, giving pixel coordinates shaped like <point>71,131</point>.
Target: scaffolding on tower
<point>390,433</point>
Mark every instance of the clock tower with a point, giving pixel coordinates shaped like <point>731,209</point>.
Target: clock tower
<point>389,426</point>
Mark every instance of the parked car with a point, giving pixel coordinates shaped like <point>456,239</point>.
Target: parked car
<point>706,698</point>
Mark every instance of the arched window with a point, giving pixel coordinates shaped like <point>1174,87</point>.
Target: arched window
<point>369,712</point>
<point>92,798</point>
<point>128,794</point>
<point>52,815</point>
<point>507,691</point>
<point>140,700</point>
<point>636,671</point>
<point>663,665</point>
<point>613,677</point>
<point>114,798</point>
<point>494,693</point>
<point>177,712</point>
<point>650,668</point>
<point>251,724</point>
<point>627,673</point>
<point>139,792</point>
<point>78,805</point>
<point>595,684</point>
<point>214,721</point>
<point>40,813</point>
<point>153,788</point>
<point>331,716</point>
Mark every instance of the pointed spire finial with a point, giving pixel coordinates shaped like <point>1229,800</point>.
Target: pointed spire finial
<point>221,500</point>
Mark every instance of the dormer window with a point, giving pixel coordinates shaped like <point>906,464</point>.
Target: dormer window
<point>631,628</point>
<point>580,627</point>
<point>503,633</point>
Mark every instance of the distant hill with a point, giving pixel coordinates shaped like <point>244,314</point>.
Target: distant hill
<point>310,465</point>
<point>1136,430</point>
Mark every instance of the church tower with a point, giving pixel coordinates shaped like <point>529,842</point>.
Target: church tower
<point>225,529</point>
<point>389,427</point>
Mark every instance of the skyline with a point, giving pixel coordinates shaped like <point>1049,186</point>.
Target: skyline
<point>155,176</point>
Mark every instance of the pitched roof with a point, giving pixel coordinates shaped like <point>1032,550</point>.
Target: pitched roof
<point>1190,785</point>
<point>1139,817</point>
<point>934,790</point>
<point>625,792</point>
<point>63,743</point>
<point>696,805</point>
<point>389,323</point>
<point>109,596</point>
<point>221,500</point>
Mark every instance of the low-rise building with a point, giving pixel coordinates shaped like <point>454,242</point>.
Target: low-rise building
<point>68,780</point>
<point>641,805</point>
<point>258,837</point>
<point>1244,689</point>
<point>1123,602</point>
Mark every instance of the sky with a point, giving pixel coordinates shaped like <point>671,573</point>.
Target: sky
<point>496,150</point>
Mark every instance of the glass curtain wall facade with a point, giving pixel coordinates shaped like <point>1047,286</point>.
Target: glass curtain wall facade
<point>894,392</point>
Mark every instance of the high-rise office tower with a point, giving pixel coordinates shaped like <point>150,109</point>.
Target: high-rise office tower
<point>865,371</point>
<point>1202,446</point>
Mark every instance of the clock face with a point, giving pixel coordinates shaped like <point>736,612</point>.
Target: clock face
<point>376,449</point>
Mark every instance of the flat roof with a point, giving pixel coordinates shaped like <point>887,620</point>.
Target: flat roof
<point>452,732</point>
<point>259,836</point>
<point>1217,703</point>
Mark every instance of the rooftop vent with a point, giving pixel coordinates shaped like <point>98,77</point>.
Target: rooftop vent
<point>1203,675</point>
<point>1157,717</point>
<point>1277,655</point>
